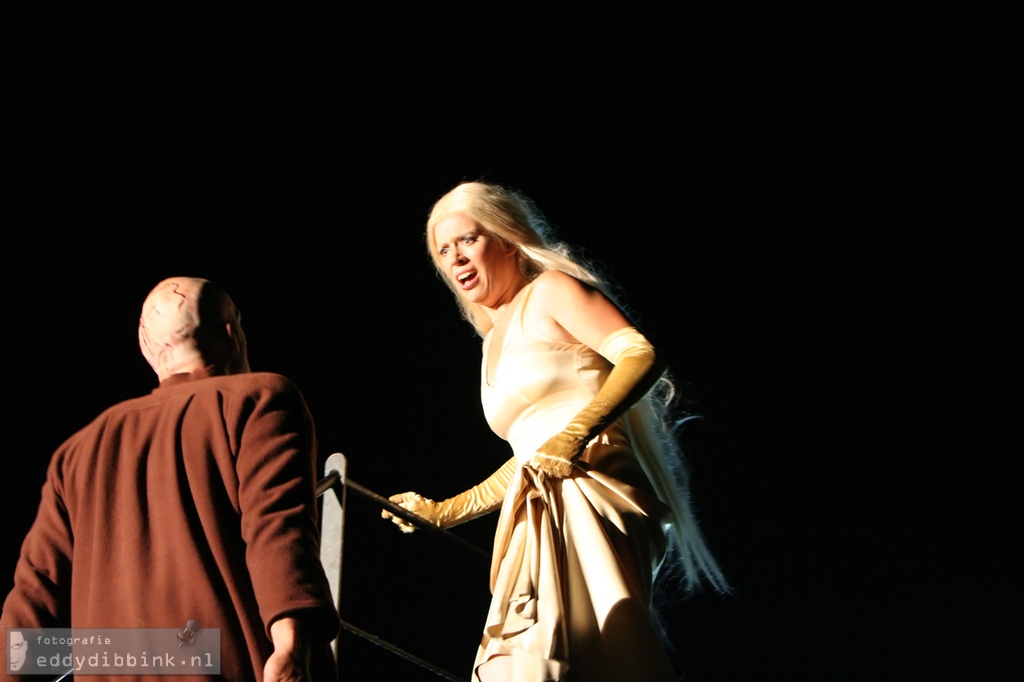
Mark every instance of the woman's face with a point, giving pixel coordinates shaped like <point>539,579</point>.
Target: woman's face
<point>481,266</point>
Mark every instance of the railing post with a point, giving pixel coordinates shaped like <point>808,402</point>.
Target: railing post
<point>332,528</point>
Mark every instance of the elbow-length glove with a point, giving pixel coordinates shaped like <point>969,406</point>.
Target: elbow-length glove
<point>481,499</point>
<point>635,371</point>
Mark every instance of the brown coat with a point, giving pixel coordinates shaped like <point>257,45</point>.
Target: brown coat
<point>196,502</point>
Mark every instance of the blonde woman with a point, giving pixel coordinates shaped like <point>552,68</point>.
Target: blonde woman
<point>595,497</point>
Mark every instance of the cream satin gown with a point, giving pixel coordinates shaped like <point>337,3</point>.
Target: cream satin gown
<point>573,558</point>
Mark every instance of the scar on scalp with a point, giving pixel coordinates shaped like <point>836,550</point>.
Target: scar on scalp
<point>154,309</point>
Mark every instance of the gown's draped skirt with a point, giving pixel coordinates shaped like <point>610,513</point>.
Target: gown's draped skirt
<point>571,582</point>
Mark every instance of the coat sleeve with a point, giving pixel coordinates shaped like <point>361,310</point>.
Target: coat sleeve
<point>276,464</point>
<point>42,576</point>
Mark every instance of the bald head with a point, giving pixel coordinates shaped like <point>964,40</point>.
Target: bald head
<point>188,323</point>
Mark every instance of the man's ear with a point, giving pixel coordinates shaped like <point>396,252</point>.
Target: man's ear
<point>231,345</point>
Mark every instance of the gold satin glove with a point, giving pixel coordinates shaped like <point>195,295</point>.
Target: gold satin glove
<point>481,499</point>
<point>635,371</point>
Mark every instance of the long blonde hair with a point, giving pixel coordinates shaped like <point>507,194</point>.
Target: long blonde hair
<point>513,217</point>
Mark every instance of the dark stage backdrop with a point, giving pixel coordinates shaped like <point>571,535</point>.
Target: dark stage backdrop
<point>801,206</point>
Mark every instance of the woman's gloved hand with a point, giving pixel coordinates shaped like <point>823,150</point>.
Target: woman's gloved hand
<point>417,504</point>
<point>481,499</point>
<point>635,371</point>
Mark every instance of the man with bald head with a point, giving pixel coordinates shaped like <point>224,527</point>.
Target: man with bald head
<point>173,341</point>
<point>194,504</point>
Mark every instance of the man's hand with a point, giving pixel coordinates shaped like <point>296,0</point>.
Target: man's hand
<point>290,661</point>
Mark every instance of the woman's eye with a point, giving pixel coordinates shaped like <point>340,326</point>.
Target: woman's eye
<point>443,252</point>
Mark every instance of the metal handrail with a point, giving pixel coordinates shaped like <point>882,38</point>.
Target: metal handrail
<point>331,543</point>
<point>418,521</point>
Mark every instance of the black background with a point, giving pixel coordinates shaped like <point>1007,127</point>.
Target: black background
<point>800,205</point>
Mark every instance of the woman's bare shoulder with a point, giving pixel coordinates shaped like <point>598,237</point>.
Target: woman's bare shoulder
<point>555,281</point>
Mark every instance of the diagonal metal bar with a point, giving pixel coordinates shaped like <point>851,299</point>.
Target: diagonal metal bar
<point>402,653</point>
<point>417,521</point>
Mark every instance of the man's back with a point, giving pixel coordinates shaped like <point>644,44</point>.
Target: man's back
<point>195,503</point>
